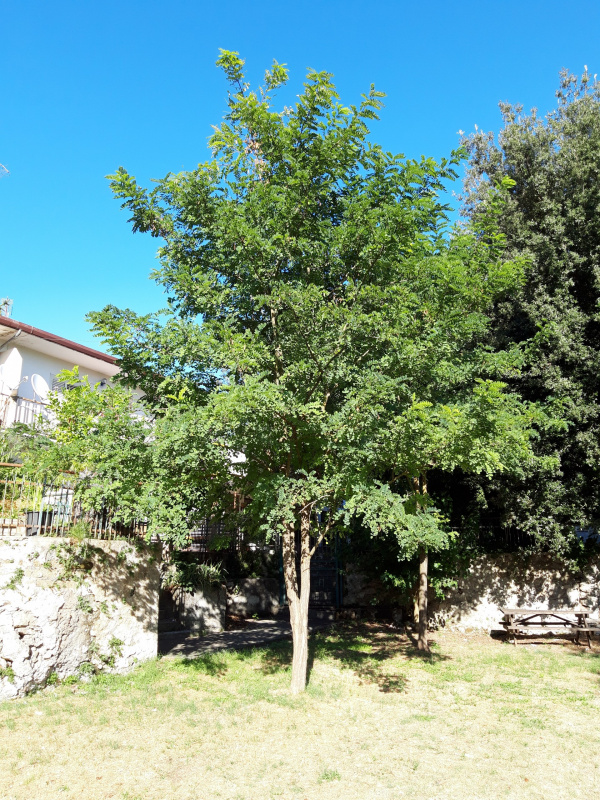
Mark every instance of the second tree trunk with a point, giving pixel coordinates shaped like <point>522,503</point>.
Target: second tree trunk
<point>422,643</point>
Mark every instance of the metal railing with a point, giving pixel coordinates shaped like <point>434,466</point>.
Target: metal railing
<point>20,409</point>
<point>19,496</point>
<point>30,507</point>
<point>503,538</point>
<point>214,532</point>
<point>31,412</point>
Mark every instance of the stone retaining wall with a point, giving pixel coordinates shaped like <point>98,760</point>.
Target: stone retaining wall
<point>511,580</point>
<point>202,611</point>
<point>253,596</point>
<point>68,608</point>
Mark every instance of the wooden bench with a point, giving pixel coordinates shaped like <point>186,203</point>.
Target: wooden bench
<point>522,620</point>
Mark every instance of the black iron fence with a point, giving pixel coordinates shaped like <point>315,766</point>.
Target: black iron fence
<point>32,507</point>
<point>504,538</point>
<point>212,535</point>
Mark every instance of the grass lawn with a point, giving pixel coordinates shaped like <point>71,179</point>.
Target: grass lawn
<point>478,719</point>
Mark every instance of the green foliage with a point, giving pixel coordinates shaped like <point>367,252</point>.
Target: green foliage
<point>322,321</point>
<point>86,669</point>
<point>115,649</point>
<point>251,563</point>
<point>8,673</point>
<point>166,470</point>
<point>16,579</point>
<point>382,559</point>
<point>191,575</point>
<point>329,774</point>
<point>99,437</point>
<point>83,604</point>
<point>22,443</point>
<point>549,167</point>
<point>116,646</point>
<point>80,531</point>
<point>76,559</point>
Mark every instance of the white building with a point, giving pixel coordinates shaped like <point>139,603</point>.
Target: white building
<point>26,352</point>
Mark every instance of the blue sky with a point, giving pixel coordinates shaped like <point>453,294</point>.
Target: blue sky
<point>88,86</point>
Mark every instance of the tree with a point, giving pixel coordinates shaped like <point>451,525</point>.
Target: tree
<point>551,217</point>
<point>323,323</point>
<point>166,470</point>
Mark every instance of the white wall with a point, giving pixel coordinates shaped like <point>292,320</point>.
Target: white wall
<point>20,363</point>
<point>511,580</point>
<point>47,366</point>
<point>12,369</point>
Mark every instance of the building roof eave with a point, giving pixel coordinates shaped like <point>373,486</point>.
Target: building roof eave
<point>6,322</point>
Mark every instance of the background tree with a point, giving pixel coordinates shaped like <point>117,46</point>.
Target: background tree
<point>322,323</point>
<point>551,217</point>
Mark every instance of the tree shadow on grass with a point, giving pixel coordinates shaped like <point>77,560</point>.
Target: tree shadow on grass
<point>412,651</point>
<point>584,650</point>
<point>348,648</point>
<point>362,648</point>
<point>277,657</point>
<point>592,655</point>
<point>208,664</point>
<point>549,639</point>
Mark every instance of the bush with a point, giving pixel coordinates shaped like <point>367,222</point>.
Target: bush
<point>191,575</point>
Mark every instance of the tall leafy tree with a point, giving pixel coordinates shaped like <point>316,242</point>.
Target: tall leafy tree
<point>323,324</point>
<point>551,217</point>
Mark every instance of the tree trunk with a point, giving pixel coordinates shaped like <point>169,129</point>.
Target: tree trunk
<point>415,598</point>
<point>422,643</point>
<point>298,592</point>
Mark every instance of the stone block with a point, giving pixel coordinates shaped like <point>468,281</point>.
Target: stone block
<point>253,596</point>
<point>105,614</point>
<point>202,611</point>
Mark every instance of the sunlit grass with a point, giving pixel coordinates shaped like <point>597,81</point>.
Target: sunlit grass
<point>475,719</point>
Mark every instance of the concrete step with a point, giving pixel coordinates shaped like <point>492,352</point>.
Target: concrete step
<point>316,613</point>
<point>168,624</point>
<point>321,614</point>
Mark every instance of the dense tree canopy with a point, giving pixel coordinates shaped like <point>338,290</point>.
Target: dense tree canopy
<point>550,217</point>
<point>324,323</point>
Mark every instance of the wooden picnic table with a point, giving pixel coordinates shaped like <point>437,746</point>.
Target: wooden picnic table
<point>521,620</point>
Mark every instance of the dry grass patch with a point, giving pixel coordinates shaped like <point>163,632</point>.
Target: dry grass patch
<point>478,719</point>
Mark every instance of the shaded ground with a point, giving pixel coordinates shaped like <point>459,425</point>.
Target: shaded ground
<point>253,634</point>
<point>477,720</point>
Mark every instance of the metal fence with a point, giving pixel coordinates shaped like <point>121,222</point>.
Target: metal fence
<point>30,412</point>
<point>30,507</point>
<point>213,534</point>
<point>504,538</point>
<point>19,498</point>
<point>27,412</point>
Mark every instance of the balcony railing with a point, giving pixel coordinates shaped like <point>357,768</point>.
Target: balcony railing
<point>20,409</point>
<point>30,412</point>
